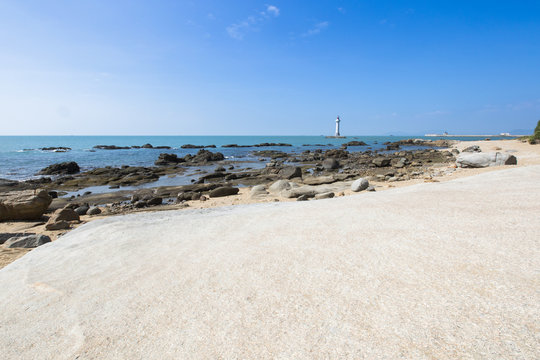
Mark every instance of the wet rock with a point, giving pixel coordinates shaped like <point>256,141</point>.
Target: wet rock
<point>274,154</point>
<point>70,167</point>
<point>223,191</point>
<point>53,194</point>
<point>27,241</point>
<point>140,204</point>
<point>392,147</point>
<point>168,159</point>
<point>191,146</point>
<point>360,184</point>
<point>111,147</point>
<point>56,149</point>
<point>24,205</point>
<point>355,143</point>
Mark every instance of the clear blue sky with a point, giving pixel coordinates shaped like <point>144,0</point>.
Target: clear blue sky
<point>268,67</point>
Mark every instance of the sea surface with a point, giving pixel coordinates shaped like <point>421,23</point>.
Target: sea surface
<point>21,157</point>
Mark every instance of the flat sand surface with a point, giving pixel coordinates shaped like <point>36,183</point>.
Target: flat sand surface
<point>446,270</point>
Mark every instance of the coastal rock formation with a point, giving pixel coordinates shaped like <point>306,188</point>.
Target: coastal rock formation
<point>204,156</point>
<point>24,205</point>
<point>290,172</point>
<point>168,159</point>
<point>480,160</point>
<point>330,164</point>
<point>111,147</point>
<point>27,241</point>
<point>355,143</point>
<point>381,162</point>
<point>70,167</point>
<point>56,149</point>
<point>191,146</point>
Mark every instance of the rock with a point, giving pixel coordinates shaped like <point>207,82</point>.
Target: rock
<point>359,185</point>
<point>473,148</point>
<point>327,195</point>
<point>455,151</point>
<point>319,180</point>
<point>94,210</point>
<point>111,147</point>
<point>53,194</point>
<point>279,186</point>
<point>258,190</point>
<point>59,225</point>
<point>302,198</point>
<point>371,188</point>
<point>24,205</point>
<point>220,169</point>
<point>480,160</point>
<point>65,214</point>
<point>168,159</point>
<point>290,172</point>
<point>381,162</point>
<point>82,210</point>
<point>224,191</point>
<point>70,167</point>
<point>309,191</point>
<point>203,198</point>
<point>204,156</point>
<point>355,143</point>
<point>147,146</point>
<point>392,147</point>
<point>28,241</point>
<point>140,204</point>
<point>56,149</point>
<point>330,164</point>
<point>155,201</point>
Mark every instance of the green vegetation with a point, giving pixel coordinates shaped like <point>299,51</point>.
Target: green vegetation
<point>535,137</point>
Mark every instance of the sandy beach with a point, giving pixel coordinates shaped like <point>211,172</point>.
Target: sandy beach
<point>445,269</point>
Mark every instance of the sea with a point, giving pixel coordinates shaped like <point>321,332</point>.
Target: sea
<point>22,157</point>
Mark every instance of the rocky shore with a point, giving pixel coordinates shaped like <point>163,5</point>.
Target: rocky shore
<point>311,174</point>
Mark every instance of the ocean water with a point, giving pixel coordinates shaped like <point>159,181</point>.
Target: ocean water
<point>20,157</point>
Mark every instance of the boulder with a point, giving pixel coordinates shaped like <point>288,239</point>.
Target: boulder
<point>168,159</point>
<point>224,191</point>
<point>58,225</point>
<point>155,201</point>
<point>290,172</point>
<point>65,214</point>
<point>381,162</point>
<point>94,210</point>
<point>205,156</point>
<point>27,241</point>
<point>70,167</point>
<point>82,210</point>
<point>359,185</point>
<point>480,160</point>
<point>258,190</point>
<point>24,205</point>
<point>330,164</point>
<point>280,185</point>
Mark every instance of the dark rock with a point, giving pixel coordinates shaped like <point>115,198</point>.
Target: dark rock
<point>204,156</point>
<point>290,172</point>
<point>56,149</point>
<point>111,147</point>
<point>191,146</point>
<point>27,241</point>
<point>330,164</point>
<point>473,148</point>
<point>381,162</point>
<point>168,159</point>
<point>302,198</point>
<point>392,147</point>
<point>355,143</point>
<point>140,204</point>
<point>147,146</point>
<point>70,167</point>
<point>155,201</point>
<point>82,210</point>
<point>53,194</point>
<point>223,191</point>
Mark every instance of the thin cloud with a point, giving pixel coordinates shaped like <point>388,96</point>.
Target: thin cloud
<point>341,10</point>
<point>239,29</point>
<point>316,29</point>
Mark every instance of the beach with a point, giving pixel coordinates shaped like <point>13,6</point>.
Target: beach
<point>527,155</point>
<point>443,267</point>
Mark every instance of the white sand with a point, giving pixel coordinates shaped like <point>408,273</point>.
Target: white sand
<point>438,270</point>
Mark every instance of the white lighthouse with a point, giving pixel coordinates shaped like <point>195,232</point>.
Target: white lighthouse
<point>337,126</point>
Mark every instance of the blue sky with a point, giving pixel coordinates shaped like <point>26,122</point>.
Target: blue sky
<point>268,67</point>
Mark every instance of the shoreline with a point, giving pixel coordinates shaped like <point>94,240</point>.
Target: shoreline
<point>527,155</point>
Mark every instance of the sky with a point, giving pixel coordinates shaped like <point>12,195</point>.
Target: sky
<point>93,67</point>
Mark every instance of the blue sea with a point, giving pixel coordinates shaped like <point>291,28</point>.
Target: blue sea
<point>20,157</point>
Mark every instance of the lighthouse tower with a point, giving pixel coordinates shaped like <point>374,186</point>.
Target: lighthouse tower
<point>337,126</point>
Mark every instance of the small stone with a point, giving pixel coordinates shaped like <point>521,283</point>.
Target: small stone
<point>327,195</point>
<point>359,185</point>
<point>94,210</point>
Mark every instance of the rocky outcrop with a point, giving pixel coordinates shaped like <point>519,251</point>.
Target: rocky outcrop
<point>290,172</point>
<point>111,147</point>
<point>381,162</point>
<point>355,143</point>
<point>330,164</point>
<point>168,159</point>
<point>24,205</point>
<point>63,168</point>
<point>191,146</point>
<point>480,160</point>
